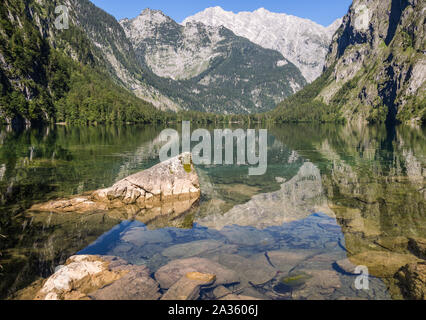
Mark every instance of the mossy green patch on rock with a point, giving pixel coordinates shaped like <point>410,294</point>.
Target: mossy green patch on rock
<point>292,282</point>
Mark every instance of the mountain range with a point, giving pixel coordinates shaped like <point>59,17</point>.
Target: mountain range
<point>302,41</point>
<point>167,65</point>
<point>210,68</point>
<point>367,67</point>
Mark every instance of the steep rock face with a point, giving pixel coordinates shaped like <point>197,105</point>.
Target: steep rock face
<point>117,52</point>
<point>296,200</point>
<point>25,54</point>
<point>380,63</point>
<point>210,68</point>
<point>42,66</point>
<point>169,50</point>
<point>301,41</point>
<point>375,70</point>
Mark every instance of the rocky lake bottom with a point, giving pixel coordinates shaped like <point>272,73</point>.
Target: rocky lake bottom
<point>333,198</point>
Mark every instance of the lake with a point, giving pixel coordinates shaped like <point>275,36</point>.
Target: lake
<point>331,192</point>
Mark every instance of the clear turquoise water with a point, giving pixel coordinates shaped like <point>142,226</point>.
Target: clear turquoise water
<point>330,192</point>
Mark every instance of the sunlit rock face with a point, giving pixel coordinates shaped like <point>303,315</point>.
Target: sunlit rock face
<point>206,67</point>
<point>116,52</point>
<point>378,61</point>
<point>153,31</point>
<point>301,41</point>
<point>296,200</point>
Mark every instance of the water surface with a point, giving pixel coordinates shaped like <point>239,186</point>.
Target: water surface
<point>330,192</point>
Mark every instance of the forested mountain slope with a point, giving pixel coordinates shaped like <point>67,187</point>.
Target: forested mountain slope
<point>48,74</point>
<point>375,70</point>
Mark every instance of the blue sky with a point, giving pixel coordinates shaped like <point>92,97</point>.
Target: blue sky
<point>321,11</point>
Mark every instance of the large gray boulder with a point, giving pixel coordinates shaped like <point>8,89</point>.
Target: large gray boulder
<point>175,179</point>
<point>171,184</point>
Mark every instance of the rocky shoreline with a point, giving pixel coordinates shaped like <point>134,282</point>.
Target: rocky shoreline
<point>88,277</point>
<point>217,277</point>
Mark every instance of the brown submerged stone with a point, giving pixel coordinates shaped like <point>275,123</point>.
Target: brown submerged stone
<point>88,277</point>
<point>189,286</point>
<point>171,273</point>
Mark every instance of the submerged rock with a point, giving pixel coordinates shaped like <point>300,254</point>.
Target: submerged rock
<point>88,277</point>
<point>140,236</point>
<point>171,186</point>
<point>171,273</point>
<point>256,270</point>
<point>188,287</point>
<point>412,281</point>
<point>222,293</point>
<point>346,266</point>
<point>315,284</point>
<point>261,268</point>
<point>293,282</point>
<point>234,297</point>
<point>284,260</point>
<point>191,249</point>
<point>247,236</point>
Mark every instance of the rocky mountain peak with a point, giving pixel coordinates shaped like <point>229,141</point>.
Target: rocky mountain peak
<point>303,42</point>
<point>146,25</point>
<point>153,17</point>
<point>262,11</point>
<point>332,28</point>
<point>205,61</point>
<point>217,9</point>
